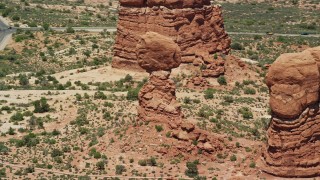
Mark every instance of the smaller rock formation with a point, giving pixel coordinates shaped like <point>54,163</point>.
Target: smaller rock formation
<point>197,82</point>
<point>294,132</point>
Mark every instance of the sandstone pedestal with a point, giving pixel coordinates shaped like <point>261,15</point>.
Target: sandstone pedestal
<point>294,132</point>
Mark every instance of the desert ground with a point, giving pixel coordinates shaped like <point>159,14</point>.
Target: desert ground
<point>65,113</point>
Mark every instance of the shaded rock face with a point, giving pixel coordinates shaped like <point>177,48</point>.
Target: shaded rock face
<point>195,25</point>
<point>294,132</point>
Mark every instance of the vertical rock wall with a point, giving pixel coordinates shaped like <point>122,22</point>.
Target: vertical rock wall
<point>195,25</point>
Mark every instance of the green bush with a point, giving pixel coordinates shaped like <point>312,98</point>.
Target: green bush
<point>237,46</point>
<point>233,158</point>
<point>29,140</point>
<point>17,117</point>
<point>15,18</point>
<point>246,113</point>
<point>70,30</point>
<point>101,165</point>
<point>208,94</point>
<point>159,128</point>
<point>56,153</point>
<point>3,148</point>
<point>120,169</point>
<point>192,169</point>
<point>41,106</point>
<point>249,90</point>
<point>252,164</point>
<point>133,94</point>
<point>23,80</point>
<point>222,80</point>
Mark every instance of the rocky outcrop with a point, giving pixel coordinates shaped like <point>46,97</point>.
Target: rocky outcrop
<point>197,82</point>
<point>294,132</point>
<point>195,25</point>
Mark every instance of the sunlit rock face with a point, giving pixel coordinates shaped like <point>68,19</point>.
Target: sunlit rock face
<point>294,132</point>
<point>195,25</point>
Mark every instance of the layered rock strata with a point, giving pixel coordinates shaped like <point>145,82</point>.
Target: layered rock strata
<point>195,25</point>
<point>294,133</point>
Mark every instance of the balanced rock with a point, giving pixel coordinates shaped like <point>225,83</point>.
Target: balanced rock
<point>293,148</point>
<point>195,25</point>
<point>156,52</point>
<point>294,83</point>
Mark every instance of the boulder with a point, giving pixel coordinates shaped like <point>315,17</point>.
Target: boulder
<point>156,52</point>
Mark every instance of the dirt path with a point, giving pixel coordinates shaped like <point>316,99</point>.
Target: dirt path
<point>74,174</point>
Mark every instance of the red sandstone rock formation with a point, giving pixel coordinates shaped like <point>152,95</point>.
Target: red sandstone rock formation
<point>197,82</point>
<point>195,25</point>
<point>159,54</point>
<point>294,133</point>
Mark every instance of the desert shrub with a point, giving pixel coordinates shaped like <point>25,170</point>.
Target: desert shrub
<point>17,117</point>
<point>233,158</point>
<point>208,94</point>
<point>108,104</point>
<point>99,95</point>
<point>11,131</point>
<point>228,99</point>
<point>56,153</point>
<point>192,169</point>
<point>150,162</point>
<point>252,164</point>
<point>46,26</point>
<point>23,80</point>
<point>246,113</point>
<point>128,78</point>
<point>132,94</point>
<point>41,106</point>
<point>3,148</point>
<point>159,128</point>
<point>249,90</point>
<point>222,80</point>
<point>29,140</point>
<point>120,169</point>
<point>70,30</point>
<point>101,165</point>
<point>29,169</point>
<point>205,112</point>
<point>237,46</point>
<point>107,116</point>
